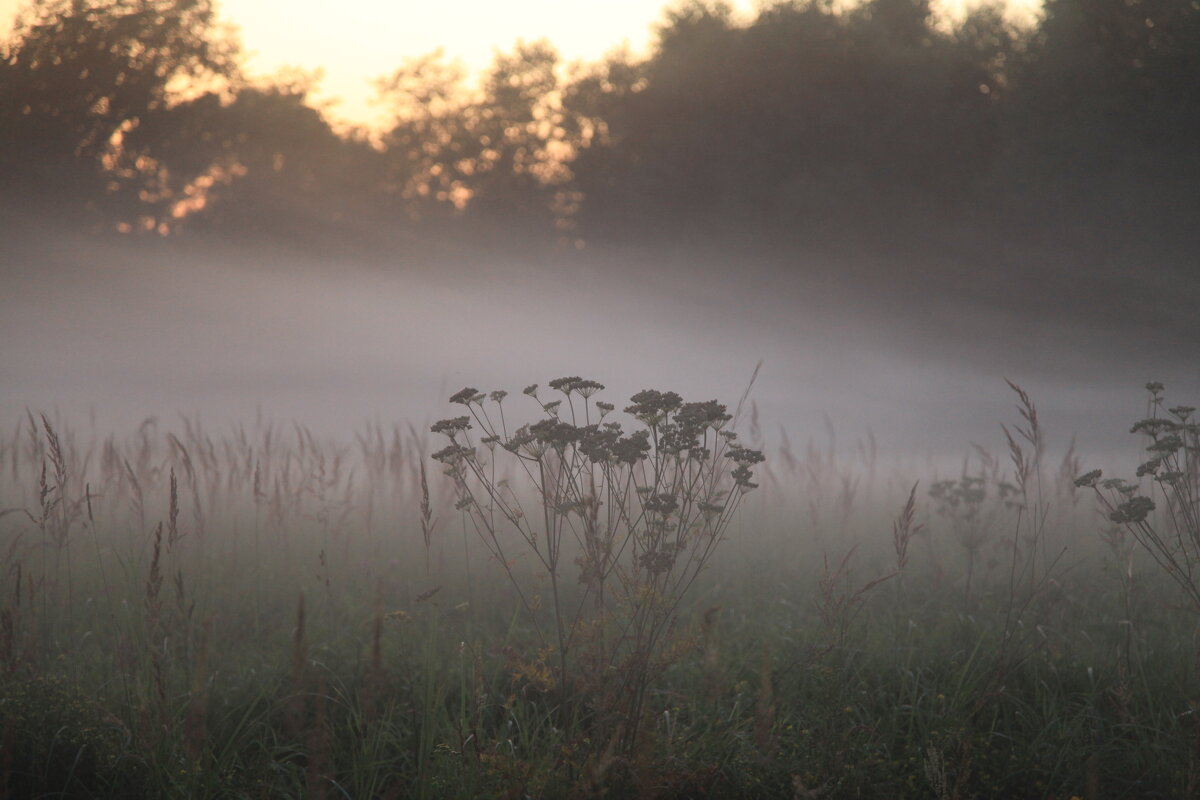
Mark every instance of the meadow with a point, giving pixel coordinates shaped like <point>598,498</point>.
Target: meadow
<point>568,608</point>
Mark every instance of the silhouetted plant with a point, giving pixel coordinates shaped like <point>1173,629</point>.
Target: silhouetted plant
<point>1172,537</point>
<point>644,511</point>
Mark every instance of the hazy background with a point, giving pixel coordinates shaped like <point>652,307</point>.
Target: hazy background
<point>893,210</point>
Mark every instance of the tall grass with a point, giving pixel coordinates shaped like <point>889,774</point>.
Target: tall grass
<point>264,613</point>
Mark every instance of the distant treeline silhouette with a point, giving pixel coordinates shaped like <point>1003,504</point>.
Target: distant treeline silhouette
<point>807,124</point>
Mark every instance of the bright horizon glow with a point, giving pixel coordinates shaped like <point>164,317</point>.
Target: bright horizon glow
<point>355,43</point>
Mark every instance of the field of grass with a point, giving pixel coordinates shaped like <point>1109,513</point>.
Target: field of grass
<point>260,613</point>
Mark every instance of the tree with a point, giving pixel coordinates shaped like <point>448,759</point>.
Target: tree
<point>80,75</point>
<point>261,160</point>
<point>494,158</point>
<point>803,117</point>
<point>1107,109</point>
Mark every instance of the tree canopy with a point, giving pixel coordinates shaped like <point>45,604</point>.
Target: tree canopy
<point>808,123</point>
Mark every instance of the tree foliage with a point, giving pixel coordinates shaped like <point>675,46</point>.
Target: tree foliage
<point>80,75</point>
<point>806,122</point>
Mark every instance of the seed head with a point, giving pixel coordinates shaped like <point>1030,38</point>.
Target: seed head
<point>587,388</point>
<point>1133,511</point>
<point>651,406</point>
<point>1153,426</point>
<point>744,455</point>
<point>453,454</point>
<point>558,435</point>
<point>451,426</point>
<point>1150,467</point>
<point>701,415</point>
<point>1183,412</point>
<point>662,503</point>
<point>464,396</point>
<point>632,448</point>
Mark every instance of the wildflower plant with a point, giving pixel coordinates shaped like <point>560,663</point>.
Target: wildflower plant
<point>629,515</point>
<point>972,505</point>
<point>1172,537</point>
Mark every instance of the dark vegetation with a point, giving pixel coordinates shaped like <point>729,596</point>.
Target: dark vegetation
<point>868,134</point>
<point>264,614</point>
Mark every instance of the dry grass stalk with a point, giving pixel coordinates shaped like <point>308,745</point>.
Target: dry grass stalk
<point>137,498</point>
<point>196,722</point>
<point>173,534</point>
<point>838,601</point>
<point>6,765</point>
<point>903,530</point>
<point>154,580</point>
<point>765,739</point>
<point>427,522</point>
<point>294,713</point>
<point>319,747</point>
<point>10,624</point>
<point>8,641</point>
<point>374,678</point>
<point>711,643</point>
<point>153,604</point>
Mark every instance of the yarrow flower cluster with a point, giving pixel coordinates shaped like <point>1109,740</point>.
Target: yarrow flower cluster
<point>678,437</point>
<point>638,511</point>
<point>1173,538</point>
<point>645,507</point>
<point>450,427</point>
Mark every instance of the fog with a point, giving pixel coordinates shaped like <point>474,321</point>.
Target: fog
<point>893,215</point>
<point>104,333</point>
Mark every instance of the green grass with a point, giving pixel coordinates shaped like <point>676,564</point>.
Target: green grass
<point>786,673</point>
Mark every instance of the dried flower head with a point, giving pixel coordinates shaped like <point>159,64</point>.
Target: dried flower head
<point>709,414</point>
<point>452,426</point>
<point>1171,443</point>
<point>1133,510</point>
<point>744,455</point>
<point>586,388</point>
<point>1153,426</point>
<point>661,503</point>
<point>453,454</point>
<point>1150,467</point>
<point>632,448</point>
<point>465,396</point>
<point>1183,412</point>
<point>596,443</point>
<point>558,435</point>
<point>565,385</point>
<point>651,406</point>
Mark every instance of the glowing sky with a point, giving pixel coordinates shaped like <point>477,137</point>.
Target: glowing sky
<point>355,42</point>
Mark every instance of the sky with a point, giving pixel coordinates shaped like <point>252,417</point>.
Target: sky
<point>354,43</point>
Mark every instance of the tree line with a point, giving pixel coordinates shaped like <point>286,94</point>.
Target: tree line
<point>808,123</point>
